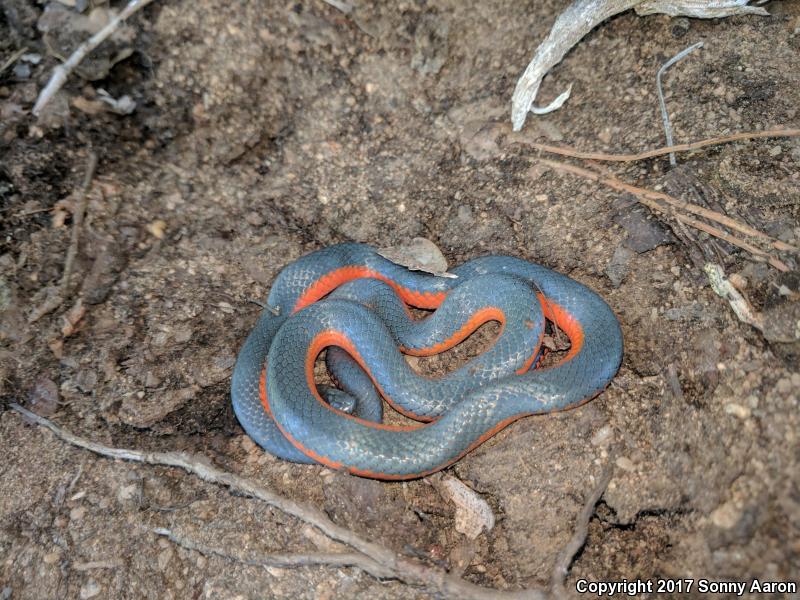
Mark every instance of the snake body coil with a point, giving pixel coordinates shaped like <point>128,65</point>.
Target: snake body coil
<point>364,315</point>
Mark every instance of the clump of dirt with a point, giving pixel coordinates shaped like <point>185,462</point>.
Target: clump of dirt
<point>265,131</point>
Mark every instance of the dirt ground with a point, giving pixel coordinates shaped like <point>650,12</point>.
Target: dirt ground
<point>264,131</point>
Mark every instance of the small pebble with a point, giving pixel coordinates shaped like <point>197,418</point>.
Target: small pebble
<point>22,71</point>
<point>51,558</point>
<point>254,219</point>
<point>726,516</point>
<point>43,399</point>
<point>157,228</point>
<point>775,151</point>
<point>151,380</point>
<point>737,410</point>
<point>76,514</point>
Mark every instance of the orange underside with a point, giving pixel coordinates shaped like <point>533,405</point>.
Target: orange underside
<point>553,312</point>
<point>327,283</point>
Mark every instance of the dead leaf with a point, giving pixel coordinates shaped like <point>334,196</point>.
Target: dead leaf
<point>473,513</point>
<point>419,254</point>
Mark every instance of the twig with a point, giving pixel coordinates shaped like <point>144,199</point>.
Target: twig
<point>602,156</point>
<point>77,219</point>
<point>55,297</point>
<point>403,569</point>
<point>28,213</point>
<point>712,215</point>
<point>662,103</point>
<point>63,71</point>
<point>567,555</point>
<point>652,200</point>
<point>326,559</point>
<point>13,58</point>
<point>725,290</point>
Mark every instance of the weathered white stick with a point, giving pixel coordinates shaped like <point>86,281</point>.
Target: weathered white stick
<point>62,71</point>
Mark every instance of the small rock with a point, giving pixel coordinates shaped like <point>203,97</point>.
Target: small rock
<point>43,399</point>
<point>254,219</point>
<point>151,380</point>
<point>76,514</point>
<point>51,558</point>
<point>618,268</point>
<point>726,516</point>
<point>775,151</point>
<point>86,380</point>
<point>157,228</point>
<point>737,410</point>
<point>643,233</point>
<point>22,71</point>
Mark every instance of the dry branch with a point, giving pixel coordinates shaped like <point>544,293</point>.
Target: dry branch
<point>56,296</point>
<point>671,205</point>
<point>604,157</point>
<point>287,561</point>
<point>392,565</point>
<point>578,539</point>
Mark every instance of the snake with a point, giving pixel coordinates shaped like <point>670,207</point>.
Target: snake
<point>352,303</point>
